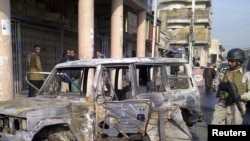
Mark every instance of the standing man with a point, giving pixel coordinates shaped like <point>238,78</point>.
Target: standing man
<point>209,75</point>
<point>63,80</point>
<point>226,112</point>
<point>74,74</point>
<point>65,56</point>
<point>99,54</point>
<point>106,76</point>
<point>73,55</point>
<point>34,66</point>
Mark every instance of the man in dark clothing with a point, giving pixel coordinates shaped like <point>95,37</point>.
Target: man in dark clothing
<point>74,74</point>
<point>209,74</point>
<point>65,56</point>
<point>73,55</point>
<point>99,54</point>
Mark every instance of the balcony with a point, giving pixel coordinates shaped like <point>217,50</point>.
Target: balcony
<point>183,16</point>
<point>185,1</point>
<point>180,36</point>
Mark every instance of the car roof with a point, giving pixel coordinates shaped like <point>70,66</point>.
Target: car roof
<point>137,60</point>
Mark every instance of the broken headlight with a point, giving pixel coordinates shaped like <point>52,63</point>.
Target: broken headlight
<point>12,125</point>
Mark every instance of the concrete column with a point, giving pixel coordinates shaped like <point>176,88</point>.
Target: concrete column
<point>86,37</point>
<point>117,29</point>
<point>203,58</point>
<point>6,63</point>
<point>117,34</point>
<point>86,28</point>
<point>141,34</point>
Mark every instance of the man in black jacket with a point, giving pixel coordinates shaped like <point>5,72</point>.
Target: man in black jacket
<point>99,54</point>
<point>209,74</point>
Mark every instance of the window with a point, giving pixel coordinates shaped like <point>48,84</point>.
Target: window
<point>149,78</point>
<point>178,77</point>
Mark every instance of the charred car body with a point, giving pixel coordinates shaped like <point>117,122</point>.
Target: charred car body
<point>116,99</point>
<point>185,91</point>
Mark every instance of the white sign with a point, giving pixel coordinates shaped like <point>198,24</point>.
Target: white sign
<point>91,33</point>
<point>198,77</point>
<point>5,27</point>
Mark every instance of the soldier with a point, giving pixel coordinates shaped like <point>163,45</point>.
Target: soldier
<point>229,114</point>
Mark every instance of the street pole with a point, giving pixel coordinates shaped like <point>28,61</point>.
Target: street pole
<point>191,35</point>
<point>154,31</point>
<point>154,27</point>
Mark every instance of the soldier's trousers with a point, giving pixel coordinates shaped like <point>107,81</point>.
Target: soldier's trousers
<point>227,115</point>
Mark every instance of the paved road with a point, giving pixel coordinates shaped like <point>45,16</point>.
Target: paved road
<point>199,130</point>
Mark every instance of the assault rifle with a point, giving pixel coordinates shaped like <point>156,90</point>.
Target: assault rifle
<point>233,94</point>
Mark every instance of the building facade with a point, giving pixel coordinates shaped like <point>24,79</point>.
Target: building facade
<point>217,53</point>
<point>124,30</point>
<point>187,27</point>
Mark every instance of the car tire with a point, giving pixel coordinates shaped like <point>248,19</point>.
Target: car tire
<point>186,116</point>
<point>55,133</point>
<point>61,136</point>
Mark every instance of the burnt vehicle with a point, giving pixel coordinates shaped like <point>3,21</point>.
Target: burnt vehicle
<point>185,91</point>
<point>115,99</point>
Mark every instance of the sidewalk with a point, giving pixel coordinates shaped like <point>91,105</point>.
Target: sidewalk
<point>23,94</point>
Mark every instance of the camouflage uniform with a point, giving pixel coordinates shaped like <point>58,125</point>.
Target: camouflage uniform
<point>230,115</point>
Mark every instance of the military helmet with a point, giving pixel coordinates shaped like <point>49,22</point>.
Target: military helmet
<point>236,54</point>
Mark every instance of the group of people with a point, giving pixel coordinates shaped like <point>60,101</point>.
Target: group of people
<point>34,69</point>
<point>72,75</point>
<point>35,77</point>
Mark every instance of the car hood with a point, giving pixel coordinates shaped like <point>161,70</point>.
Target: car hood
<point>21,107</point>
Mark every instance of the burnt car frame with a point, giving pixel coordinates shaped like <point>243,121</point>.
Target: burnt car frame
<point>117,99</point>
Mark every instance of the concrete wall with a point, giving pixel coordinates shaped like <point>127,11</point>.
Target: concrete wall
<point>62,12</point>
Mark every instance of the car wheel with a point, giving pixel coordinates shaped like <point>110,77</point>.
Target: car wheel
<point>61,136</point>
<point>55,133</point>
<point>186,116</point>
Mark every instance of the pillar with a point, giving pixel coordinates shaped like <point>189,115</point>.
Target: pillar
<point>117,29</point>
<point>86,37</point>
<point>6,63</point>
<point>86,28</point>
<point>141,34</point>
